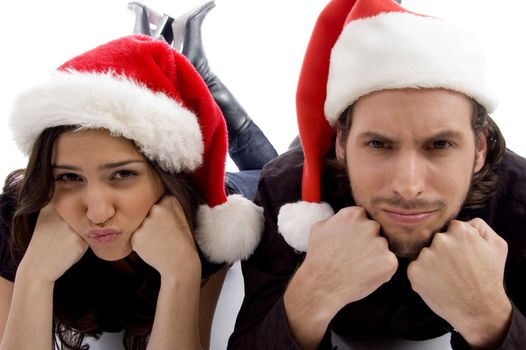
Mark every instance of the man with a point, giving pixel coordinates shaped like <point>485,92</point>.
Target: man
<point>403,215</point>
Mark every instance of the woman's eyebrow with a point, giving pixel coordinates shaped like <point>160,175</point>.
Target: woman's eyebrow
<point>101,167</point>
<point>119,164</point>
<point>65,167</point>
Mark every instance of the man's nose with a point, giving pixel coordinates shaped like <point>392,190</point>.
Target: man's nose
<point>408,178</point>
<point>99,204</point>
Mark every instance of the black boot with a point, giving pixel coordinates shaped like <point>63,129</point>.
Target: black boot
<point>248,147</point>
<point>142,24</point>
<point>145,16</point>
<point>236,117</point>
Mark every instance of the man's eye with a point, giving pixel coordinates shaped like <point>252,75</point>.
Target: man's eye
<point>123,174</point>
<point>68,177</point>
<point>377,144</point>
<point>440,144</point>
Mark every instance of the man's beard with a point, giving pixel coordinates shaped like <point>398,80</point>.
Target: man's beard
<point>407,246</point>
<point>410,248</point>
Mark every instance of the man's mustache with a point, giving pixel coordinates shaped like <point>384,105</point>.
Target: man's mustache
<point>414,204</point>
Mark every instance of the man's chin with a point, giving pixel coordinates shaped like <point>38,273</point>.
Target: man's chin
<point>406,254</point>
<point>408,247</point>
<point>408,242</point>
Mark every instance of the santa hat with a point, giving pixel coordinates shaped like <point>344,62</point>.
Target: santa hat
<point>358,47</point>
<point>144,90</point>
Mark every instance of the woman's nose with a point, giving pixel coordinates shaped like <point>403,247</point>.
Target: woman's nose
<point>99,205</point>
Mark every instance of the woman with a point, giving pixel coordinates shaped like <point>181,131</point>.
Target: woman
<point>126,170</point>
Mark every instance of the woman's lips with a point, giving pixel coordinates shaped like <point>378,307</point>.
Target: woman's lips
<point>103,235</point>
<point>408,218</point>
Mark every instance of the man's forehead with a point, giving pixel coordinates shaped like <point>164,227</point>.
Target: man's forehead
<point>415,92</point>
<point>422,110</point>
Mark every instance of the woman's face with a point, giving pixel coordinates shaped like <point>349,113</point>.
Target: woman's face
<point>104,188</point>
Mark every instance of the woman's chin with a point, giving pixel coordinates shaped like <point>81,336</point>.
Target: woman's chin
<point>111,254</point>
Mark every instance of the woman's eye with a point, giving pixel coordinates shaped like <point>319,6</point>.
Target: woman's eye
<point>68,177</point>
<point>123,174</point>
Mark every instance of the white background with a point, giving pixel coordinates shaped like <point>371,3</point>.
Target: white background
<point>256,48</point>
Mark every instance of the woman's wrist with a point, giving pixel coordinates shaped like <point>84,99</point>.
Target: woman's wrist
<point>188,274</point>
<point>28,273</point>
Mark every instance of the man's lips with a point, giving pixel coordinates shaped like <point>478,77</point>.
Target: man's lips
<point>408,217</point>
<point>104,235</point>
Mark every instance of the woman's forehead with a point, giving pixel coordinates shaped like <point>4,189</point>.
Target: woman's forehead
<point>100,143</point>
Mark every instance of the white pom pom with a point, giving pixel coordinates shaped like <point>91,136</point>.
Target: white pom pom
<point>295,221</point>
<point>230,231</point>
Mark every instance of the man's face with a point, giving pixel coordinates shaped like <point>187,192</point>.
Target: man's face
<point>410,156</point>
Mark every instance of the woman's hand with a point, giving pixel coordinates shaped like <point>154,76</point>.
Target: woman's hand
<point>54,247</point>
<point>165,242</point>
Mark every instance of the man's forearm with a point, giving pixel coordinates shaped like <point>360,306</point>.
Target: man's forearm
<point>307,313</point>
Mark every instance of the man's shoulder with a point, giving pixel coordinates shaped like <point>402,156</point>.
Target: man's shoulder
<point>286,164</point>
<point>507,208</point>
<point>280,180</point>
<point>512,178</point>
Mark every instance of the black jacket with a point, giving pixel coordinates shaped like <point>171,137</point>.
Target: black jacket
<point>394,310</point>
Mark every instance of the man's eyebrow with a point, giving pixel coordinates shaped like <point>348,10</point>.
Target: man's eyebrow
<point>101,167</point>
<point>373,135</point>
<point>444,134</point>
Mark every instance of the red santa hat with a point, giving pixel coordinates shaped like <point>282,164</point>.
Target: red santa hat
<point>358,47</point>
<point>144,90</point>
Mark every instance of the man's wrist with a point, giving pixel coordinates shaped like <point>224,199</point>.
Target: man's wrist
<point>488,329</point>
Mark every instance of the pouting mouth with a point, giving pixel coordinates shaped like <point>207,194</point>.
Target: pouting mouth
<point>101,232</point>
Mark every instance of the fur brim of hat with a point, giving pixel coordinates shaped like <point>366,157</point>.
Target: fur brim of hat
<point>402,50</point>
<point>230,231</point>
<point>165,131</point>
<point>295,221</point>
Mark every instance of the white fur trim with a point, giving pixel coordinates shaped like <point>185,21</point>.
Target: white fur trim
<point>230,231</point>
<point>402,50</point>
<point>295,221</point>
<point>164,130</point>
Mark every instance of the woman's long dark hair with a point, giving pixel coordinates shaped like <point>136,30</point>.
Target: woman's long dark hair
<point>92,296</point>
<point>484,182</point>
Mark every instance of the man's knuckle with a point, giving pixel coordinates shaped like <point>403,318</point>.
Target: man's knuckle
<point>439,240</point>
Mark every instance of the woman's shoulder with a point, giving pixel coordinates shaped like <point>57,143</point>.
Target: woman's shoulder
<point>8,264</point>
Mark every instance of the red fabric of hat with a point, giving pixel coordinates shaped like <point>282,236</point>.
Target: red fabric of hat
<point>144,90</point>
<point>358,47</point>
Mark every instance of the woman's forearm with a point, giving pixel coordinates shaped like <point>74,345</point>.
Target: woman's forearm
<point>176,324</point>
<point>30,319</point>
